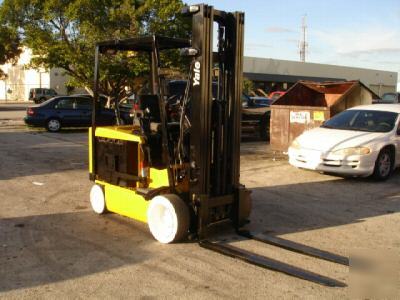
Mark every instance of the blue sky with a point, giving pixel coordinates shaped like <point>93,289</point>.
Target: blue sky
<point>354,33</point>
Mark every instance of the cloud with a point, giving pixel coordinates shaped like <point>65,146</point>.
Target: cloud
<point>277,29</point>
<point>367,41</point>
<point>379,51</point>
<point>390,62</point>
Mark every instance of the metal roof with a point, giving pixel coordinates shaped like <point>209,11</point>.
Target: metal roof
<point>286,78</point>
<point>325,94</point>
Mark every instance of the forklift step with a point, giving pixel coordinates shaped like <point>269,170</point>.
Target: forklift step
<point>270,264</point>
<point>297,247</point>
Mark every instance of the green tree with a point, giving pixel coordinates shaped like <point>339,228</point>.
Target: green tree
<point>63,33</point>
<point>248,86</point>
<point>9,47</point>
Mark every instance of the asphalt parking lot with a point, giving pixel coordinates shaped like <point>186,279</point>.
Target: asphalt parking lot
<point>52,245</point>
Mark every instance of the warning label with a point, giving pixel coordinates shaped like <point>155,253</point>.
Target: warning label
<point>318,116</point>
<point>302,117</point>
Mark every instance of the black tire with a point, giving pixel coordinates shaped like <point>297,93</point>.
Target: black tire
<point>53,125</point>
<point>383,165</point>
<point>264,127</point>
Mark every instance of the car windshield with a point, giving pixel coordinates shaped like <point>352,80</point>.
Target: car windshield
<point>363,120</point>
<point>44,103</point>
<point>389,97</point>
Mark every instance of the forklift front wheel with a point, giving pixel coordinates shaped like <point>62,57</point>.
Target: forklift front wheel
<point>97,199</point>
<point>168,218</point>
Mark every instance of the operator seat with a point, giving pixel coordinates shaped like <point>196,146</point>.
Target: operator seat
<point>151,126</point>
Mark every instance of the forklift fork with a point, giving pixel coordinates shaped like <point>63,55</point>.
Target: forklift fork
<point>296,247</point>
<point>275,265</point>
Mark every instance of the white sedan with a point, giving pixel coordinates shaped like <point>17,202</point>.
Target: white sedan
<point>361,141</point>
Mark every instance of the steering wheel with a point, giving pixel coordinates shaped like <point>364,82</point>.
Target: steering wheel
<point>173,107</point>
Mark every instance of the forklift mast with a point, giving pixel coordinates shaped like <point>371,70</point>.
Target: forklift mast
<point>215,123</point>
<point>216,155</point>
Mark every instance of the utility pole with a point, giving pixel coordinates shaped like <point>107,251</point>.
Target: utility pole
<point>303,46</point>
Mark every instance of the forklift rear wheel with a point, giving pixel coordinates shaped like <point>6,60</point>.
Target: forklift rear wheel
<point>168,218</point>
<point>97,199</point>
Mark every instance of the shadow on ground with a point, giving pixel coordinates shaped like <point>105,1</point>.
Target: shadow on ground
<point>284,209</point>
<point>26,153</point>
<point>42,249</point>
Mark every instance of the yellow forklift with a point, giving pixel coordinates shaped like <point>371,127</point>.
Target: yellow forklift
<point>181,175</point>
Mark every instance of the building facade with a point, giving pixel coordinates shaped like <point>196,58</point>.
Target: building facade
<point>20,79</point>
<point>274,74</point>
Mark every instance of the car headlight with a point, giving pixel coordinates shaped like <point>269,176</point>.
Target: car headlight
<point>353,151</point>
<point>295,144</point>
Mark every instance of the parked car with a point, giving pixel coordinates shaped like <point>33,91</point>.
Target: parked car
<point>275,95</point>
<point>360,141</point>
<point>69,111</point>
<point>256,115</point>
<point>39,95</point>
<point>261,101</point>
<point>388,98</point>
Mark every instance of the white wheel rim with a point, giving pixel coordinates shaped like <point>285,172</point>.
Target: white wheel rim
<point>162,220</point>
<point>54,125</point>
<point>97,199</point>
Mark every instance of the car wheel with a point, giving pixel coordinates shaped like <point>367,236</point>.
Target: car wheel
<point>168,218</point>
<point>97,199</point>
<point>264,128</point>
<point>383,165</point>
<point>53,125</point>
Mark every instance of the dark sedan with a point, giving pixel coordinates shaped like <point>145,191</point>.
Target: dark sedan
<point>256,114</point>
<point>69,111</point>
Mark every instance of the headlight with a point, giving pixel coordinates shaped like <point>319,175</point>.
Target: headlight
<point>353,151</point>
<point>295,145</point>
